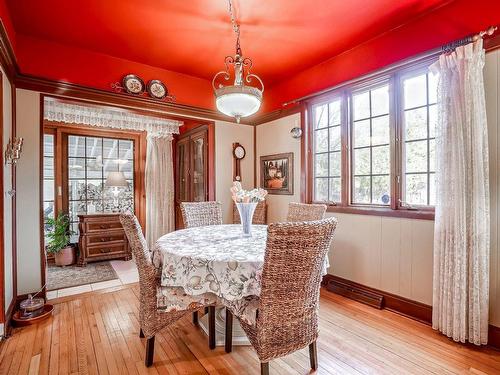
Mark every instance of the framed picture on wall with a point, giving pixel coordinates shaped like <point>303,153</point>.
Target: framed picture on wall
<point>277,173</point>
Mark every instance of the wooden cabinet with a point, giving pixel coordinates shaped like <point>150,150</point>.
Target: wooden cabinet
<point>191,163</point>
<point>101,238</point>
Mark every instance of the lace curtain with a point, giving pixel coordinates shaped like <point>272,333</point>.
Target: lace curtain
<point>462,223</point>
<point>159,175</point>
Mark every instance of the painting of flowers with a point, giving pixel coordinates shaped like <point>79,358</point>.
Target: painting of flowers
<point>277,173</point>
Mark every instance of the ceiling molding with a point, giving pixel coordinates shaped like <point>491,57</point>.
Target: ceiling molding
<point>275,115</point>
<point>7,56</point>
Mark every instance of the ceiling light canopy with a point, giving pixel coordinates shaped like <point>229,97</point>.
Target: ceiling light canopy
<point>237,100</point>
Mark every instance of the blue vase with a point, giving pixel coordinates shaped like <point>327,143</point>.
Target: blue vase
<point>246,211</point>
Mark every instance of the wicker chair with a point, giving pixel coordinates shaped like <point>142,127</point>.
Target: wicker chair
<point>259,216</point>
<point>305,212</point>
<point>199,214</point>
<point>287,315</point>
<point>151,319</point>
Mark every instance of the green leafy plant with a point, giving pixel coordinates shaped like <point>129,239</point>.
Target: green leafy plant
<point>59,234</point>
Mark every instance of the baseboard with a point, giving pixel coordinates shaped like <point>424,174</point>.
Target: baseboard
<point>8,318</point>
<point>494,336</point>
<point>384,300</point>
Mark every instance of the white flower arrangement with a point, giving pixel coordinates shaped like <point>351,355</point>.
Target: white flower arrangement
<point>247,196</point>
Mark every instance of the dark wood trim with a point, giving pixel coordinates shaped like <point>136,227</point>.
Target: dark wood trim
<point>125,101</point>
<point>7,328</point>
<point>274,115</point>
<point>383,211</point>
<point>14,197</point>
<point>7,55</point>
<point>43,257</point>
<point>401,305</point>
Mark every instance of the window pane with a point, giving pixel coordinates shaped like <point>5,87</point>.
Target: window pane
<point>335,142</point>
<point>416,189</point>
<point>381,160</point>
<point>48,190</point>
<point>335,164</point>
<point>48,167</point>
<point>433,117</point>
<point>432,189</point>
<point>362,133</point>
<point>76,146</point>
<point>381,190</point>
<point>94,147</point>
<point>415,91</point>
<point>126,150</point>
<point>110,148</point>
<point>75,208</point>
<point>94,168</point>
<point>432,155</point>
<point>361,105</point>
<point>416,124</point>
<point>76,190</point>
<point>361,190</point>
<point>335,190</point>
<point>48,210</point>
<point>94,189</point>
<point>362,161</point>
<point>321,189</point>
<point>321,165</point>
<point>380,101</point>
<point>380,130</point>
<point>433,87</point>
<point>128,170</point>
<point>334,113</point>
<point>76,168</point>
<point>321,116</point>
<point>48,144</point>
<point>111,165</point>
<point>321,141</point>
<point>416,156</point>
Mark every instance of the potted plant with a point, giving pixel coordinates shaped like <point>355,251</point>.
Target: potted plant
<point>59,240</point>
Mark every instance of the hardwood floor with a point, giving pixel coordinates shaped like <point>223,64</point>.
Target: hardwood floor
<point>98,333</point>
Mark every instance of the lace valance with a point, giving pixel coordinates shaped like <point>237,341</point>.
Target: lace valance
<point>107,117</point>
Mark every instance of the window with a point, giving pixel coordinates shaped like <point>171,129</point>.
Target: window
<point>327,151</point>
<point>48,179</point>
<point>89,161</point>
<point>419,122</point>
<point>373,144</point>
<point>370,146</point>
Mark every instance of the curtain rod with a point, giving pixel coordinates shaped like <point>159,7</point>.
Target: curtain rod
<point>429,54</point>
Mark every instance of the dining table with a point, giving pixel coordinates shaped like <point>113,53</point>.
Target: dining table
<point>217,259</point>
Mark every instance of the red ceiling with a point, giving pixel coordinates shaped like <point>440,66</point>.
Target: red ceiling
<point>95,42</point>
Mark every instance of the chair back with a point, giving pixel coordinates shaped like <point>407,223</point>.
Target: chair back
<point>259,216</point>
<point>199,214</point>
<point>291,278</point>
<point>305,212</point>
<point>136,241</point>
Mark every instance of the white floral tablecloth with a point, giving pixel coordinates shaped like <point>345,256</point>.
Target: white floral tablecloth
<point>215,259</point>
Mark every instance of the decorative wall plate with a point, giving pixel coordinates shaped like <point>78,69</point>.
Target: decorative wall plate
<point>133,84</point>
<point>157,89</point>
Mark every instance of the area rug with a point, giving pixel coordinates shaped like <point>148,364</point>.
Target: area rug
<point>65,277</point>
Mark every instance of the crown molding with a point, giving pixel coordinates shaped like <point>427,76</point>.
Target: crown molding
<point>7,56</point>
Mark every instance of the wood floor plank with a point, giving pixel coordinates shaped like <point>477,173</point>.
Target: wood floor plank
<point>98,333</point>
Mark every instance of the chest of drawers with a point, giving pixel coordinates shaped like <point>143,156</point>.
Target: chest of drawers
<point>101,238</point>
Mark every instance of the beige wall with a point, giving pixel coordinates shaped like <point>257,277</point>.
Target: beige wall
<point>492,88</point>
<point>7,202</point>
<point>28,190</point>
<point>274,138</point>
<point>227,133</point>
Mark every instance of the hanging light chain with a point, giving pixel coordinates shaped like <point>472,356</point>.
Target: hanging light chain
<point>236,28</point>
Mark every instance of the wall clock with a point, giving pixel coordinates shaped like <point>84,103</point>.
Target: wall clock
<point>238,154</point>
<point>133,84</point>
<point>157,89</point>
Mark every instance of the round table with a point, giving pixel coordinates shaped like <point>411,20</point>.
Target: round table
<point>214,259</point>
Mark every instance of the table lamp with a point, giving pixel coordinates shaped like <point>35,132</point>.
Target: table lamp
<point>117,183</point>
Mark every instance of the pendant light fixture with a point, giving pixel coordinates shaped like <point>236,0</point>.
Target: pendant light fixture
<point>237,100</point>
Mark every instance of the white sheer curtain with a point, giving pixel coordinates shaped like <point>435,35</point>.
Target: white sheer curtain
<point>159,188</point>
<point>462,224</point>
<point>159,175</point>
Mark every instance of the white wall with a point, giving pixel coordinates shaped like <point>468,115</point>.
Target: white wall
<point>28,192</point>
<point>274,138</point>
<point>227,133</point>
<point>7,185</point>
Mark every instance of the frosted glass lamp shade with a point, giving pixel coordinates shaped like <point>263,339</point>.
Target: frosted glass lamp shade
<point>116,179</point>
<point>238,101</point>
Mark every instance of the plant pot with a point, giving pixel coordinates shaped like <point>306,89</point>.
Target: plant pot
<point>65,256</point>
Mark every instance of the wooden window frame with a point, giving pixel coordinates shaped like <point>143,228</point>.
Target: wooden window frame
<point>61,132</point>
<point>394,77</point>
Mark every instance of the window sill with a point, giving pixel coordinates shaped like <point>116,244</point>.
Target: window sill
<point>382,211</point>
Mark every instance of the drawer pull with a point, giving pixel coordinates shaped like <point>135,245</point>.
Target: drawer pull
<point>105,250</point>
<point>103,226</point>
<point>104,239</point>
